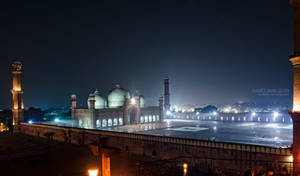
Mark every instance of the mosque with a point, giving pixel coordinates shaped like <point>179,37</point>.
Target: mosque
<point>118,108</point>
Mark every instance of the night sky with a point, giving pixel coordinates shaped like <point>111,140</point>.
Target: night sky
<point>213,51</point>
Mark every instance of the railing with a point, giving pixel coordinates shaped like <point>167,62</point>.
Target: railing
<point>173,140</point>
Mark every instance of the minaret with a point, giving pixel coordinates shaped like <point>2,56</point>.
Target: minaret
<point>161,108</point>
<point>73,105</point>
<point>295,112</point>
<point>17,96</point>
<point>73,101</point>
<point>167,94</point>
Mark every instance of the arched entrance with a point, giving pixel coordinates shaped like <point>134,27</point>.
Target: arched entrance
<point>132,115</point>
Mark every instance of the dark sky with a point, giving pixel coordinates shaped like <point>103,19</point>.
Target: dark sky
<point>213,51</point>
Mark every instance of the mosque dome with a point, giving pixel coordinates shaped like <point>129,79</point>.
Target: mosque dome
<point>116,97</point>
<point>100,102</point>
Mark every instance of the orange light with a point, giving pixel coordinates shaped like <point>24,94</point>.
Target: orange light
<point>185,166</point>
<point>93,172</point>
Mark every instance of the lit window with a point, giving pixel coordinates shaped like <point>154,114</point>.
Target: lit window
<point>142,119</point>
<point>109,122</point>
<point>104,123</point>
<point>120,121</point>
<point>98,123</point>
<point>150,118</point>
<point>146,119</point>
<point>80,123</point>
<point>115,122</point>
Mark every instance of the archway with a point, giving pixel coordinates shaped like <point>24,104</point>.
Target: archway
<point>132,116</point>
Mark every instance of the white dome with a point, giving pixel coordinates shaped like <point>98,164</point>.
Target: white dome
<point>100,102</point>
<point>116,97</point>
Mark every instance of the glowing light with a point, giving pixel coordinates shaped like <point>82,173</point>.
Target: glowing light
<point>185,165</point>
<point>93,172</point>
<point>30,122</point>
<point>168,113</point>
<point>132,101</point>
<point>56,120</point>
<point>253,114</point>
<point>17,89</point>
<point>275,114</point>
<point>215,128</point>
<point>214,113</point>
<point>291,158</point>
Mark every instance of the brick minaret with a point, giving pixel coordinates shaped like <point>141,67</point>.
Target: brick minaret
<point>167,94</point>
<point>17,96</point>
<point>295,112</point>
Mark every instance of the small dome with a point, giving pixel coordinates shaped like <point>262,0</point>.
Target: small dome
<point>91,97</point>
<point>100,102</point>
<point>116,97</point>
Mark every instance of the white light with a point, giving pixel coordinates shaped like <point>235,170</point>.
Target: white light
<point>132,101</point>
<point>275,114</point>
<point>30,121</point>
<point>168,113</point>
<point>214,113</point>
<point>215,128</point>
<point>56,120</point>
<point>253,114</point>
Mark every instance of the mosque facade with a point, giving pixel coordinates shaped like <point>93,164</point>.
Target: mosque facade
<point>118,108</point>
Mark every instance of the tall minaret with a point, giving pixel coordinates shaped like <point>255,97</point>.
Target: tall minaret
<point>167,94</point>
<point>17,96</point>
<point>295,112</point>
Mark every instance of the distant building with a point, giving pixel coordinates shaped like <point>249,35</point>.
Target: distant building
<point>119,107</point>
